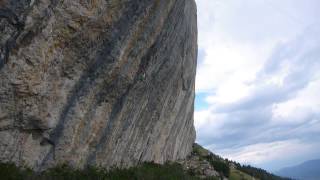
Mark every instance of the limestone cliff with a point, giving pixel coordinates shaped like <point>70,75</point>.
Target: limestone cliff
<point>96,82</point>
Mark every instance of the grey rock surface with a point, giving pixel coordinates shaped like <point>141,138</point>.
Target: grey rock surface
<point>99,82</point>
<point>199,167</point>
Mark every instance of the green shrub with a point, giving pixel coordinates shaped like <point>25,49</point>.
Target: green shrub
<point>256,172</point>
<point>146,171</point>
<point>220,166</point>
<point>11,172</point>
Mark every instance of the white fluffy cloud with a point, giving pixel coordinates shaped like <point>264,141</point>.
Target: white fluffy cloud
<point>258,78</point>
<point>269,152</point>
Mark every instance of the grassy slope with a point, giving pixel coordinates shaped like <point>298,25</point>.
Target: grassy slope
<point>238,175</point>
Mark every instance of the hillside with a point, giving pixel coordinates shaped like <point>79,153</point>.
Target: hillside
<point>309,170</point>
<point>201,164</point>
<point>225,168</point>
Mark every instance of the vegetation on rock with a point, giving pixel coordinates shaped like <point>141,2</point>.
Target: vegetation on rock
<point>201,164</point>
<point>231,169</point>
<point>146,171</point>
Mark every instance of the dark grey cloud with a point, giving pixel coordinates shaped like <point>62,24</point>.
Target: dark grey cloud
<point>241,130</point>
<point>237,127</point>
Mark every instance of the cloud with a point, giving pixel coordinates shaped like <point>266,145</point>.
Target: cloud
<point>269,152</point>
<point>290,68</point>
<point>258,80</point>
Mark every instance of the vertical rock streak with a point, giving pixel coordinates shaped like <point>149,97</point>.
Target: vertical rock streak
<point>108,83</point>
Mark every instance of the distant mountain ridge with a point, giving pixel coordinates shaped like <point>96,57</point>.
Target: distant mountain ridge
<point>309,170</point>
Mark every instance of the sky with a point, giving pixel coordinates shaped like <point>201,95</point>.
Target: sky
<point>258,80</point>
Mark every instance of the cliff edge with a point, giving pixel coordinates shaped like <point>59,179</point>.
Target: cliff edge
<point>99,82</point>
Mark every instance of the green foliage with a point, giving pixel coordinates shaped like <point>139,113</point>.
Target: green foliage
<point>238,175</point>
<point>257,172</point>
<point>199,150</point>
<point>146,171</point>
<point>217,162</point>
<point>223,166</point>
<point>10,171</point>
<point>220,166</point>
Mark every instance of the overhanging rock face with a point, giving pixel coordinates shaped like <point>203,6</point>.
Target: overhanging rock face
<point>99,82</point>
